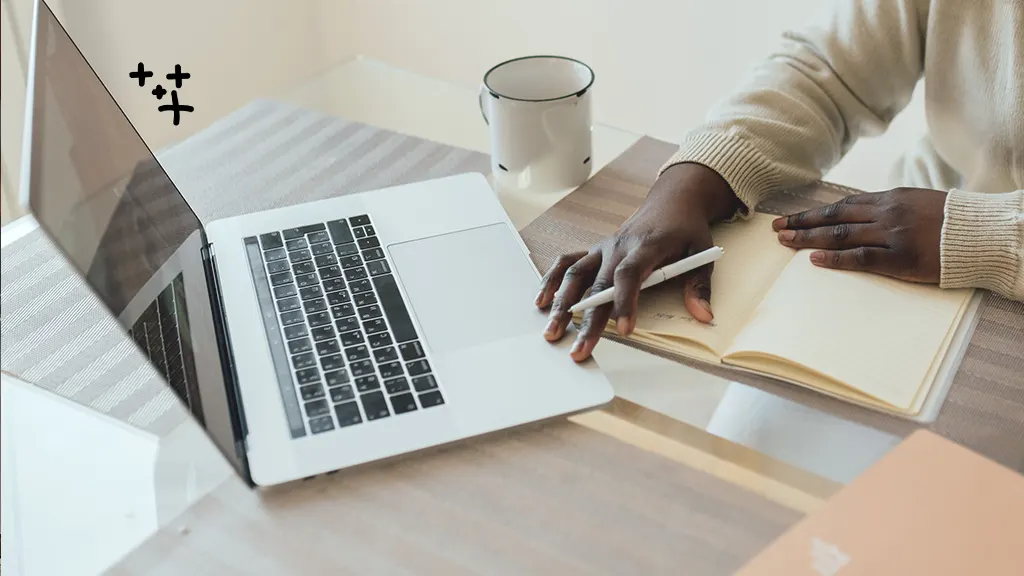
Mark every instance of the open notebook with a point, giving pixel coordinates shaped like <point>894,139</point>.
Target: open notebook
<point>874,341</point>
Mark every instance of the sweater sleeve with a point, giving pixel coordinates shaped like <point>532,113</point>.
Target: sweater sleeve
<point>982,242</point>
<point>803,108</point>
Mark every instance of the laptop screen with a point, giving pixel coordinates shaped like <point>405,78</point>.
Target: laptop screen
<point>102,196</point>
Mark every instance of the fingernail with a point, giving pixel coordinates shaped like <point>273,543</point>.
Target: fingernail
<point>706,306</point>
<point>779,223</point>
<point>551,327</point>
<point>624,325</point>
<point>787,235</point>
<point>540,295</point>
<point>577,345</point>
<point>817,257</point>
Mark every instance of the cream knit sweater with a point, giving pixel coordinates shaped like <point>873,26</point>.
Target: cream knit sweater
<point>848,75</point>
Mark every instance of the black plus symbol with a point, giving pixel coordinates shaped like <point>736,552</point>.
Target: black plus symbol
<point>175,107</point>
<point>141,74</point>
<point>178,76</point>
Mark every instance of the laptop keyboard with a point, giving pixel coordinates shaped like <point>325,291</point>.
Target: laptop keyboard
<point>343,344</point>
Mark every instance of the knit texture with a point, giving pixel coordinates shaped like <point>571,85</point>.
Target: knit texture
<point>848,75</point>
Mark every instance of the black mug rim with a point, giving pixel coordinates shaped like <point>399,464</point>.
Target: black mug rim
<point>579,93</point>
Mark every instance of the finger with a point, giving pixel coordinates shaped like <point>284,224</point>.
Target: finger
<point>629,276</point>
<point>595,319</point>
<point>837,237</point>
<point>574,283</point>
<point>850,210</point>
<point>864,259</point>
<point>697,293</point>
<point>552,279</point>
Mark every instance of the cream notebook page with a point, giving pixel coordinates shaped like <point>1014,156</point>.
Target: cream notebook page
<point>882,338</point>
<point>752,261</point>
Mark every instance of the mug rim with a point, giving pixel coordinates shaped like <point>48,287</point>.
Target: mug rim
<point>496,94</point>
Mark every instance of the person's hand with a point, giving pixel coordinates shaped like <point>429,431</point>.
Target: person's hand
<point>672,223</point>
<point>894,233</point>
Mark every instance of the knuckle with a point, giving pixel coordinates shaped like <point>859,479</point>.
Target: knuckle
<point>841,232</point>
<point>565,260</point>
<point>862,257</point>
<point>832,210</point>
<point>627,269</point>
<point>574,271</point>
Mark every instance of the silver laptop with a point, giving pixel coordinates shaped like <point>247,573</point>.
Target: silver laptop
<point>309,338</point>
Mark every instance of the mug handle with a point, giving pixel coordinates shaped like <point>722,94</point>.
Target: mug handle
<point>480,102</point>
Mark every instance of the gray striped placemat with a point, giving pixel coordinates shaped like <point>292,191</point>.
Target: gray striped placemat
<point>55,333</point>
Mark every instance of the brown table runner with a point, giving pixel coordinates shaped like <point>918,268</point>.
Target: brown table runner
<point>985,406</point>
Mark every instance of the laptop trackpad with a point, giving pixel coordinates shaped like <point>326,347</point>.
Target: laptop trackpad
<point>468,288</point>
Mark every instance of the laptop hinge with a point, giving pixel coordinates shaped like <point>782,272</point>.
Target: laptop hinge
<point>227,361</point>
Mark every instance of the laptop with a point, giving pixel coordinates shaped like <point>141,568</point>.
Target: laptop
<point>930,506</point>
<point>304,339</point>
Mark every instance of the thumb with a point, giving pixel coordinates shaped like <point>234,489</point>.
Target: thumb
<point>697,294</point>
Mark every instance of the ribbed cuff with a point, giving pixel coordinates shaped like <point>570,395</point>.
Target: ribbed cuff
<point>750,175</point>
<point>981,242</point>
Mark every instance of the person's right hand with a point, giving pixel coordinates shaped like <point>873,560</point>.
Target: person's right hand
<point>674,222</point>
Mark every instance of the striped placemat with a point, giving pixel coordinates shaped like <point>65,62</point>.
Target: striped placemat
<point>55,333</point>
<point>984,409</point>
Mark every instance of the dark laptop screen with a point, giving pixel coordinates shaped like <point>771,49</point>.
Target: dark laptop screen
<point>98,190</point>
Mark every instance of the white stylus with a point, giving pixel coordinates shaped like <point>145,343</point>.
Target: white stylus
<point>657,277</point>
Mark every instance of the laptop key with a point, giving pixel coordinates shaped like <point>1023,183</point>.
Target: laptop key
<point>277,266</point>
<point>288,304</point>
<point>304,360</point>
<point>391,370</point>
<point>424,383</point>
<point>325,260</point>
<point>289,318</point>
<point>320,236</point>
<point>351,338</point>
<point>375,405</point>
<point>318,319</point>
<point>348,414</point>
<point>275,254</point>
<point>380,339</point>
<point>385,355</point>
<point>403,403</point>
<point>360,286</point>
<point>339,297</point>
<point>295,244</point>
<point>299,255</point>
<point>322,333</point>
<point>374,326</point>
<point>307,280</point>
<point>396,385</point>
<point>300,345</point>
<point>334,284</point>
<point>321,424</point>
<point>351,261</point>
<point>285,291</point>
<point>317,305</point>
<point>346,249</point>
<point>330,272</point>
<point>360,220</point>
<point>301,231</point>
<point>394,308</point>
<point>311,392</point>
<point>369,230</point>
<point>411,351</point>
<point>333,362</point>
<point>280,278</point>
<point>340,232</point>
<point>367,383</point>
<point>373,254</point>
<point>343,310</point>
<point>365,299</point>
<point>370,312</point>
<point>368,242</point>
<point>337,378</point>
<point>301,268</point>
<point>359,352</point>
<point>310,292</point>
<point>361,368</point>
<point>430,399</point>
<point>295,331</point>
<point>355,274</point>
<point>418,367</point>
<point>328,347</point>
<point>378,267</point>
<point>359,232</point>
<point>342,393</point>
<point>321,248</point>
<point>270,241</point>
<point>317,408</point>
<point>308,376</point>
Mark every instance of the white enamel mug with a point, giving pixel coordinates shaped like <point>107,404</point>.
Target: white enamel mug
<point>538,111</point>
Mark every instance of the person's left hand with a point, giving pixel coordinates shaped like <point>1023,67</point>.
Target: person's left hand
<point>894,233</point>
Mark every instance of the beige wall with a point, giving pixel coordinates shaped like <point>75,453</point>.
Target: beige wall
<point>236,50</point>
